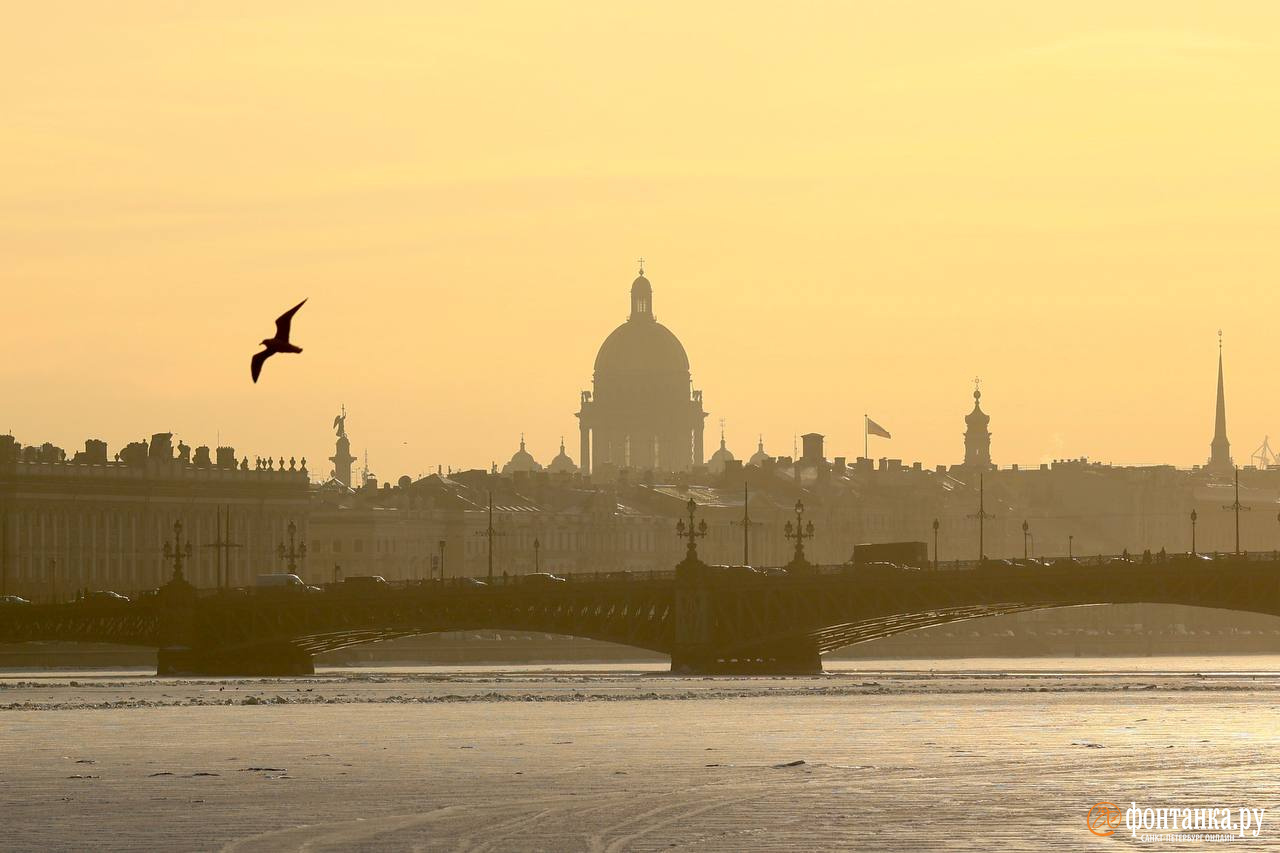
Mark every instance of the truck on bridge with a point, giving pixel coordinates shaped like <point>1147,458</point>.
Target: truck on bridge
<point>899,553</point>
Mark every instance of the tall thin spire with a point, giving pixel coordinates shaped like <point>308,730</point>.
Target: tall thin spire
<point>1220,447</point>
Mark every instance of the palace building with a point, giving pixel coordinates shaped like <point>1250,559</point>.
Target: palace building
<point>90,522</point>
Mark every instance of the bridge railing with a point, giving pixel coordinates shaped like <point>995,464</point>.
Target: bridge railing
<point>1119,561</point>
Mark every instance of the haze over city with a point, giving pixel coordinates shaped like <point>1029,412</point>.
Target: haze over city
<point>632,427</point>
<point>855,209</point>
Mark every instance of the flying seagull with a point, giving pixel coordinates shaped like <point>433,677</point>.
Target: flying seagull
<point>280,343</point>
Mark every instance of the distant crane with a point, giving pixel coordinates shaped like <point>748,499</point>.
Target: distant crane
<point>1264,456</point>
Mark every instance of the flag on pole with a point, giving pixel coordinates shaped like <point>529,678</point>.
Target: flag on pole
<point>874,428</point>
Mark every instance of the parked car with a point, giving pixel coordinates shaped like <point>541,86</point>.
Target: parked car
<point>12,599</point>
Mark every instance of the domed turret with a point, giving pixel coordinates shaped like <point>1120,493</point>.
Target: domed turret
<point>759,457</point>
<point>977,417</point>
<point>562,464</point>
<point>521,460</point>
<point>716,464</point>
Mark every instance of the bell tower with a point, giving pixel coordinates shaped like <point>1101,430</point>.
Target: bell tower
<point>977,438</point>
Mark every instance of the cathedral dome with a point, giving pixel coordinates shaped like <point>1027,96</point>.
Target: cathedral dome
<point>642,344</point>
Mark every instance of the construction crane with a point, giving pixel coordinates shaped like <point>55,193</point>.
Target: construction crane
<point>1264,456</point>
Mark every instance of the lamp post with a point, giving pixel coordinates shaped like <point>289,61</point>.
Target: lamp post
<point>799,532</point>
<point>691,532</point>
<point>1193,532</point>
<point>537,546</point>
<point>1025,533</point>
<point>177,552</point>
<point>1071,540</point>
<point>489,533</point>
<point>223,544</point>
<point>982,515</point>
<point>295,552</point>
<point>935,544</point>
<point>1236,507</point>
<point>441,546</point>
<point>4,552</point>
<point>746,524</point>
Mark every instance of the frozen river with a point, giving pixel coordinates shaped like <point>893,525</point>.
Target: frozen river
<point>971,755</point>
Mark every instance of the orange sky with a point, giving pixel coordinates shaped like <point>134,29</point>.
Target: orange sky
<point>845,207</point>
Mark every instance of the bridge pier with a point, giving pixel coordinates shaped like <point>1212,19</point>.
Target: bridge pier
<point>795,657</point>
<point>268,659</point>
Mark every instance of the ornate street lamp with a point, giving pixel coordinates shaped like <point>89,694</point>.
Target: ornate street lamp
<point>177,552</point>
<point>691,532</point>
<point>295,552</point>
<point>799,532</point>
<point>1193,532</point>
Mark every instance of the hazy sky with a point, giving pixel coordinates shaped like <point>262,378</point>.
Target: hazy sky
<point>845,208</point>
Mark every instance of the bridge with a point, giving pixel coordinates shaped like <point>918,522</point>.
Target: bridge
<point>709,619</point>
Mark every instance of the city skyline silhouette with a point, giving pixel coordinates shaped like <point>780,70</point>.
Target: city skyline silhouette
<point>856,219</point>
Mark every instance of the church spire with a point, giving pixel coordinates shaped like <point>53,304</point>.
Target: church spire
<point>1220,448</point>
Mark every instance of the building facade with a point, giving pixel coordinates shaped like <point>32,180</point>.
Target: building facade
<point>90,523</point>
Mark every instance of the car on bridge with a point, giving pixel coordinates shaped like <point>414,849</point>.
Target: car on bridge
<point>282,582</point>
<point>365,583</point>
<point>12,599</point>
<point>542,578</point>
<point>467,581</point>
<point>104,596</point>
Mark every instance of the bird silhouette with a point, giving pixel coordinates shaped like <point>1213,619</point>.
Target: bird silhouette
<point>280,343</point>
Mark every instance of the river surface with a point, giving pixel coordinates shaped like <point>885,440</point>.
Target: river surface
<point>875,755</point>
